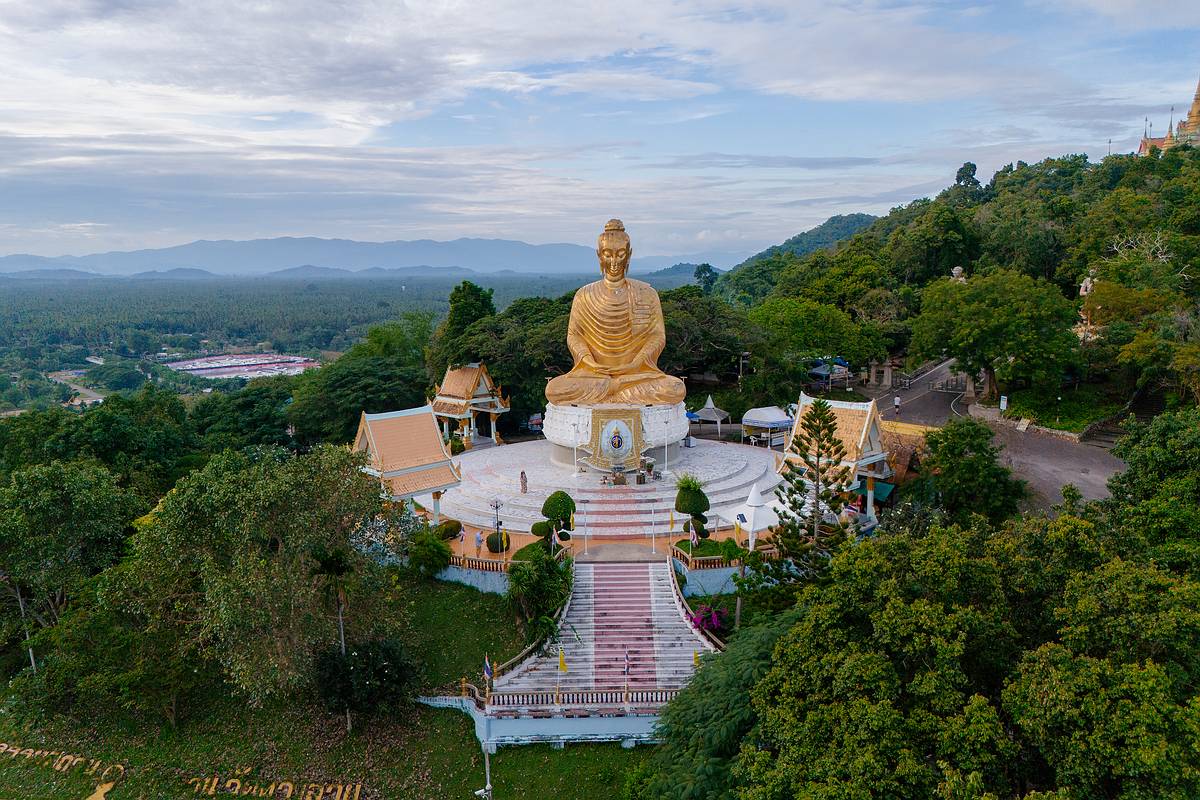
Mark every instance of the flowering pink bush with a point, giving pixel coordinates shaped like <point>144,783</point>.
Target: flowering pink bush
<point>708,618</point>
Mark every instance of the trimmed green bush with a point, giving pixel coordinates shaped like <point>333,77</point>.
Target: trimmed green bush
<point>558,508</point>
<point>450,529</point>
<point>542,529</point>
<point>428,554</point>
<point>456,445</point>
<point>497,542</point>
<point>690,499</point>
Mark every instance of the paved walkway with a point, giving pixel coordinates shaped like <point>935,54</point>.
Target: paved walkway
<point>728,471</point>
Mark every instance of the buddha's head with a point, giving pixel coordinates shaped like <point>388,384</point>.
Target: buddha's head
<point>614,251</point>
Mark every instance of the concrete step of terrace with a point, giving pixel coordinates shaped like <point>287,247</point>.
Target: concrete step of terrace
<point>624,631</point>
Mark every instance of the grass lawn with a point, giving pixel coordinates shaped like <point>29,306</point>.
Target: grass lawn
<point>417,753</point>
<point>706,547</point>
<point>1078,408</point>
<point>450,627</point>
<point>420,753</point>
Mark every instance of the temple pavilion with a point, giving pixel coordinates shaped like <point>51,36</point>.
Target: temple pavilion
<point>859,429</point>
<point>406,452</point>
<point>1186,132</point>
<point>463,395</point>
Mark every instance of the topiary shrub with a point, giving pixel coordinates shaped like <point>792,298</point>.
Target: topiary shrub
<point>428,554</point>
<point>497,542</point>
<point>690,499</point>
<point>371,676</point>
<point>542,529</point>
<point>450,529</point>
<point>558,509</point>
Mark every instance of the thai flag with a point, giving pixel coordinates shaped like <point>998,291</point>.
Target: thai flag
<point>627,662</point>
<point>487,668</point>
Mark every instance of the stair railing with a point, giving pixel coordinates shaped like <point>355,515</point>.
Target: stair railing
<point>559,615</point>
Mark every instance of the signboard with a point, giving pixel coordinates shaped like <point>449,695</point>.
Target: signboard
<point>1004,402</point>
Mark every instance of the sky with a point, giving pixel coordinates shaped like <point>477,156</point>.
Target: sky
<point>708,127</point>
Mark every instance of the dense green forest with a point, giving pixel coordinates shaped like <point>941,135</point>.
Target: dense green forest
<point>156,555</point>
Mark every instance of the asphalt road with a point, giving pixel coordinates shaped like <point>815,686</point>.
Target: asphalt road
<point>1046,463</point>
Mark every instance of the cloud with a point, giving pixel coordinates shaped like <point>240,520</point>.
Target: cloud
<point>744,161</point>
<point>1144,14</point>
<point>163,120</point>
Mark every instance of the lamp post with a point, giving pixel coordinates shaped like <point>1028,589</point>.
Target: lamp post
<point>666,452</point>
<point>486,792</point>
<point>496,505</point>
<point>575,447</point>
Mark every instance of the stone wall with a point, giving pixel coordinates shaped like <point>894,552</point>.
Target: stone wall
<point>992,415</point>
<point>491,582</point>
<point>706,581</point>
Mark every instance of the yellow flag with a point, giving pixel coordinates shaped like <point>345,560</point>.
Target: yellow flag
<point>562,661</point>
<point>696,658</point>
<point>572,520</point>
<point>672,519</point>
<point>737,531</point>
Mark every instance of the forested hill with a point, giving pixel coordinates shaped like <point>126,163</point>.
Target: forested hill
<point>754,276</point>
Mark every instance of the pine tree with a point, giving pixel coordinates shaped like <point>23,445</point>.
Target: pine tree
<point>813,485</point>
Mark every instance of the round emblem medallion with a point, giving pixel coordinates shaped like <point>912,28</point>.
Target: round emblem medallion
<point>616,441</point>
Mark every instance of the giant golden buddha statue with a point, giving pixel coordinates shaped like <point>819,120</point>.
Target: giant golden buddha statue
<point>615,336</point>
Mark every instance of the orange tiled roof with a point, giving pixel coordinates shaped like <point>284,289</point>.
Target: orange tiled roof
<point>852,422</point>
<point>452,408</point>
<point>401,440</point>
<point>463,381</point>
<point>422,481</point>
<point>902,440</point>
<point>460,390</point>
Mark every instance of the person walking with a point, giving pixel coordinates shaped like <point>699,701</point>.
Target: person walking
<point>478,544</point>
<point>524,483</point>
<point>896,404</point>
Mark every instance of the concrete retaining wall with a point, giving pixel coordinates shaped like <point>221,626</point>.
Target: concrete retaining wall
<point>706,581</point>
<point>491,582</point>
<point>992,415</point>
<point>494,732</point>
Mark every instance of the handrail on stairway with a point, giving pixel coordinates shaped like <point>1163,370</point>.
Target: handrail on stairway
<point>680,600</point>
<point>558,616</point>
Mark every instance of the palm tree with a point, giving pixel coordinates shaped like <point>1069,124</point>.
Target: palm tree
<point>335,568</point>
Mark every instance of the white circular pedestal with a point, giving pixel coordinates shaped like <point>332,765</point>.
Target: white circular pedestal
<point>570,427</point>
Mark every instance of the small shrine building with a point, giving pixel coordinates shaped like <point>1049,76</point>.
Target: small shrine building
<point>464,394</point>
<point>858,428</point>
<point>406,452</point>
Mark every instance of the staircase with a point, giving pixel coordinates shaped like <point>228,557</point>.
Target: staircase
<point>1144,408</point>
<point>619,613</point>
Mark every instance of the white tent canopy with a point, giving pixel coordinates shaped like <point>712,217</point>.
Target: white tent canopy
<point>710,413</point>
<point>770,419</point>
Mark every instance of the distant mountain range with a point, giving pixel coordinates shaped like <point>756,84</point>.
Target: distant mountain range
<point>304,256</point>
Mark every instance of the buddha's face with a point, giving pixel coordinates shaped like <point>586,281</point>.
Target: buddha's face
<point>614,253</point>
